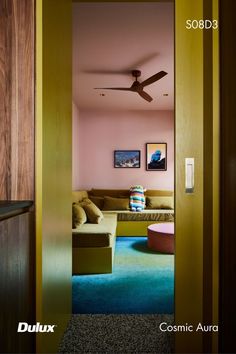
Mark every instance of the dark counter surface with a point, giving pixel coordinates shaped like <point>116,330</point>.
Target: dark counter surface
<point>8,206</point>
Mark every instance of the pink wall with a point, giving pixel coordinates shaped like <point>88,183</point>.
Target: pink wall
<point>75,147</point>
<point>102,132</point>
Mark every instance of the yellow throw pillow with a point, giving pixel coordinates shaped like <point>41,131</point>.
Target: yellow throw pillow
<point>160,202</point>
<point>116,203</point>
<point>78,215</point>
<point>93,213</point>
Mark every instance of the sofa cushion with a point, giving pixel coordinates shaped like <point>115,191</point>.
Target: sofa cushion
<point>78,215</point>
<point>146,215</point>
<point>78,196</point>
<point>96,235</point>
<point>94,214</point>
<point>98,201</point>
<point>115,193</point>
<point>160,202</point>
<point>116,203</point>
<point>158,192</point>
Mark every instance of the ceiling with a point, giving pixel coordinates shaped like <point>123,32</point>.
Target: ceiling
<point>112,39</point>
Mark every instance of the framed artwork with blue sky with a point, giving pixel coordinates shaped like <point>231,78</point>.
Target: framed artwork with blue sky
<point>156,156</point>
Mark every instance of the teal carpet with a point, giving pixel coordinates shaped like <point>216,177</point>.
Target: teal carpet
<point>142,282</point>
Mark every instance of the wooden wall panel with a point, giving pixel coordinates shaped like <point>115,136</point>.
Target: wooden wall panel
<point>17,291</point>
<point>5,44</point>
<point>17,99</point>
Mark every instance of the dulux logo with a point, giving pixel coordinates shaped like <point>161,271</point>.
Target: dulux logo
<point>25,327</point>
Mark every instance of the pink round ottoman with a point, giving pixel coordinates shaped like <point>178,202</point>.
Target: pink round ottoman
<point>161,237</point>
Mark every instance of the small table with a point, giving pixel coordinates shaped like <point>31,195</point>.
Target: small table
<point>161,237</point>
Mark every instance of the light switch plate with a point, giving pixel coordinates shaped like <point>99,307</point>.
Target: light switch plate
<point>189,175</point>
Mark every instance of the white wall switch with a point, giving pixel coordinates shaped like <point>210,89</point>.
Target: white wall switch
<point>189,175</point>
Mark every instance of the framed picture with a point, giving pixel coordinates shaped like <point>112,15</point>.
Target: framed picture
<point>127,158</point>
<point>156,156</point>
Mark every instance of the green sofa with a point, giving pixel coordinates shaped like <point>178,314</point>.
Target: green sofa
<point>94,244</point>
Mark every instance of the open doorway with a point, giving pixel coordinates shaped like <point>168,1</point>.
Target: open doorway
<point>123,139</point>
<point>196,215</point>
<point>191,212</point>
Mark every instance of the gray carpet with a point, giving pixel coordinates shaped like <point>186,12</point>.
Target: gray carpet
<point>111,334</point>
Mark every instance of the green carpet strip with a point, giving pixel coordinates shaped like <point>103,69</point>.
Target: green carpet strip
<point>142,282</point>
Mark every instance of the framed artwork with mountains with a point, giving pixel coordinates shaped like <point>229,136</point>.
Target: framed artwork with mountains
<point>127,158</point>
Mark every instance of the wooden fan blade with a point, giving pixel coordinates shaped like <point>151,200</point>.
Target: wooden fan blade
<point>153,78</point>
<point>113,88</point>
<point>145,95</point>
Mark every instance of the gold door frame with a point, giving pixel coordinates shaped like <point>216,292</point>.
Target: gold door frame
<point>196,136</point>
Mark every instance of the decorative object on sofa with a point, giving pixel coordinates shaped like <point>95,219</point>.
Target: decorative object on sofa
<point>138,86</point>
<point>127,158</point>
<point>137,199</point>
<point>156,156</point>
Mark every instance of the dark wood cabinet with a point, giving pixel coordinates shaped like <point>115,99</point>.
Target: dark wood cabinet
<point>17,282</point>
<point>17,173</point>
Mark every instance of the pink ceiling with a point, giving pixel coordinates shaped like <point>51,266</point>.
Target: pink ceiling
<point>110,40</point>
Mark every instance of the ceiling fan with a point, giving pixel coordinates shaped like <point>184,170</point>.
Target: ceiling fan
<point>138,86</point>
